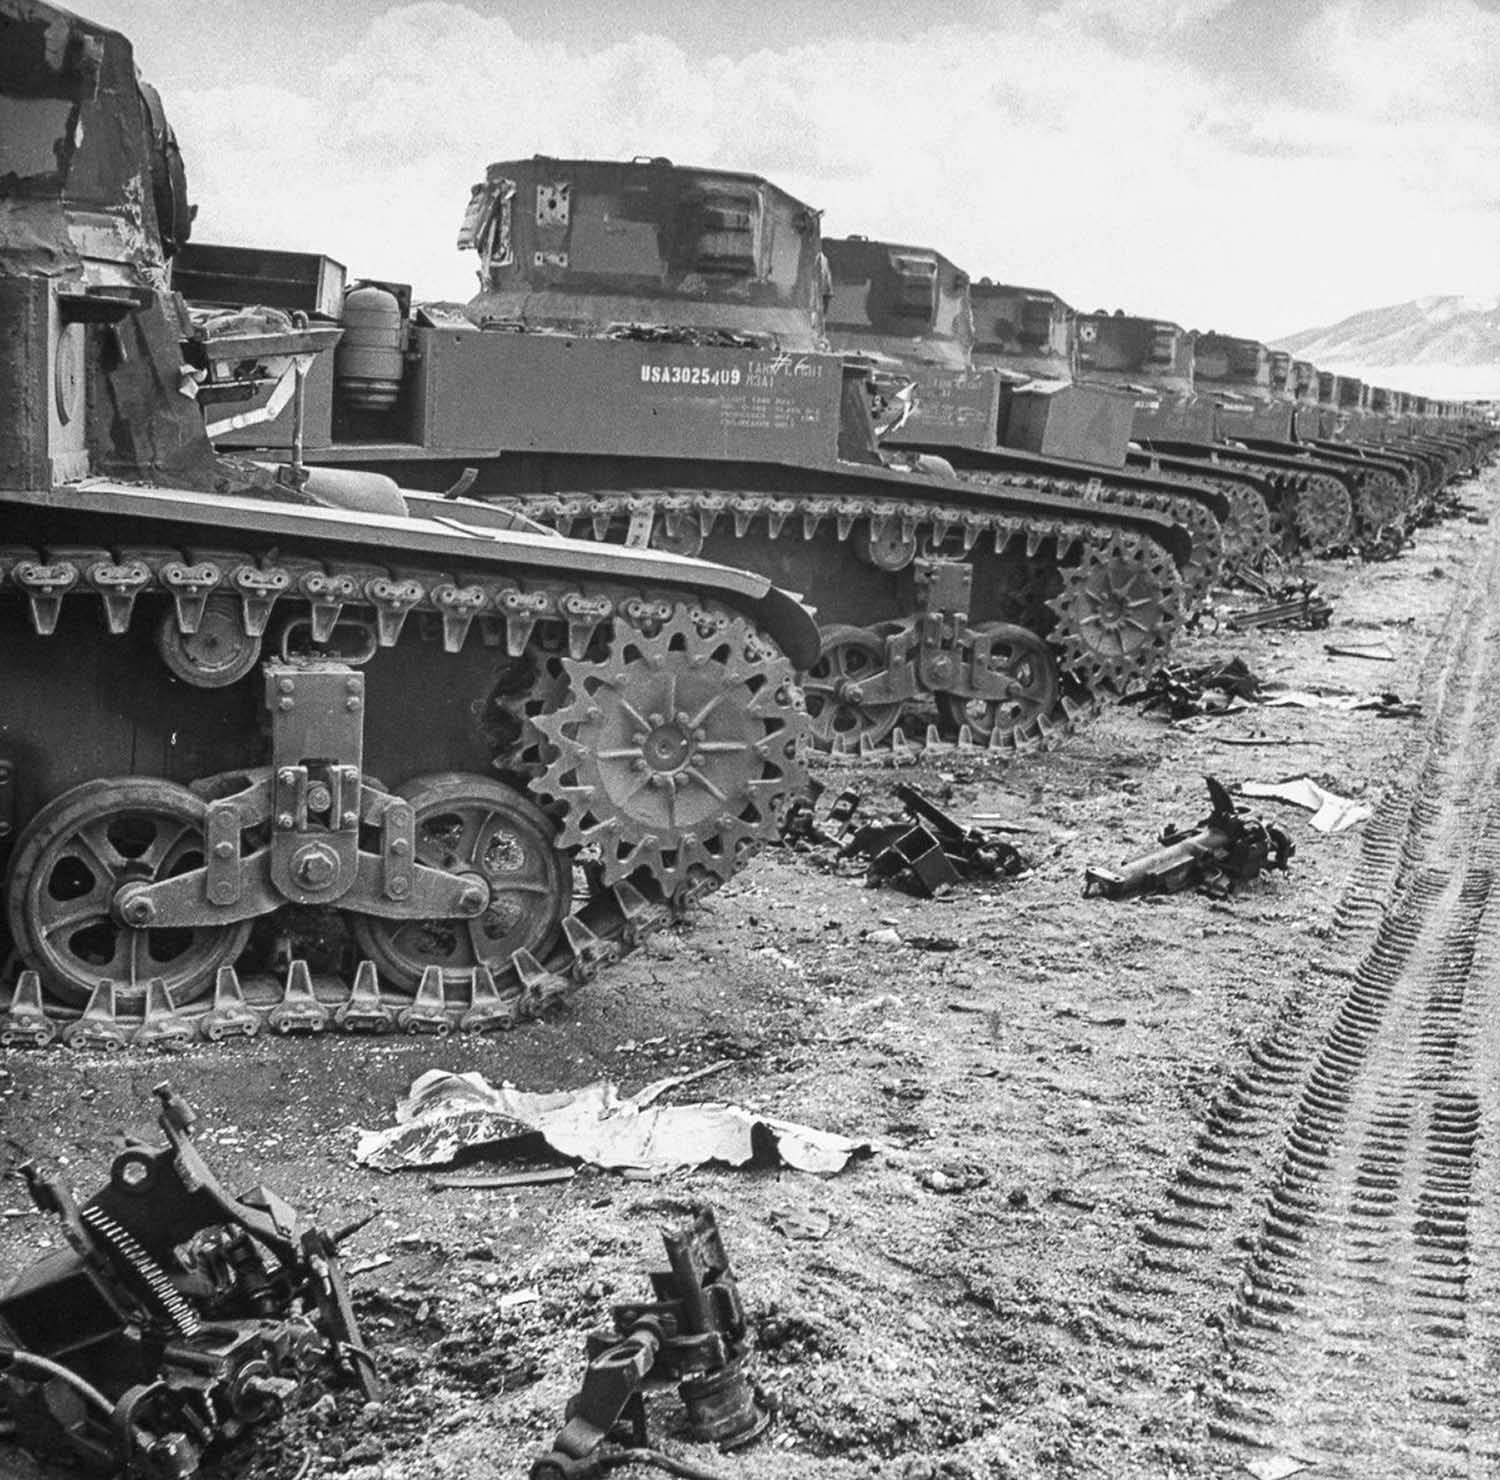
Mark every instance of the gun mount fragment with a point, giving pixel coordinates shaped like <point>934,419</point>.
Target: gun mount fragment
<point>176,1318</point>
<point>693,1332</point>
<point>1227,848</point>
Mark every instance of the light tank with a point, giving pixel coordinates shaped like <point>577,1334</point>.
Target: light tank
<point>1177,427</point>
<point>991,423</point>
<point>644,362</point>
<point>266,755</point>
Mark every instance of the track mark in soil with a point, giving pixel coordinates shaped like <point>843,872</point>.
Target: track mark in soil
<point>1341,1154</point>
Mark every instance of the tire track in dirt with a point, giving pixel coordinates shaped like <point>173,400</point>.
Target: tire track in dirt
<point>1341,1154</point>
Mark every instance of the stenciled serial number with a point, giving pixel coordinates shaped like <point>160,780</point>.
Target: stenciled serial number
<point>690,375</point>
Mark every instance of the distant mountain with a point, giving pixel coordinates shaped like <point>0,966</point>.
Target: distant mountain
<point>1445,346</point>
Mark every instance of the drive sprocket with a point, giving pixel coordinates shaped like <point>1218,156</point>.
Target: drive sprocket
<point>1314,516</point>
<point>674,751</point>
<point>1117,610</point>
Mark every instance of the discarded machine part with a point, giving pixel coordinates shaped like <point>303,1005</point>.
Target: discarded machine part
<point>694,1332</point>
<point>297,750</point>
<point>800,822</point>
<point>1299,606</point>
<point>930,850</point>
<point>1227,848</point>
<point>665,384</point>
<point>1210,688</point>
<point>176,1318</point>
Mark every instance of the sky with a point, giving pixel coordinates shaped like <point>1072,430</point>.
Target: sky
<point>1252,166</point>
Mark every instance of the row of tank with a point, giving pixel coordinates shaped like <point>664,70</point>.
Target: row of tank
<point>993,502</point>
<point>317,716</point>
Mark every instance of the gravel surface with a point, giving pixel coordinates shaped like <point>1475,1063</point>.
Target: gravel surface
<point>1036,1069</point>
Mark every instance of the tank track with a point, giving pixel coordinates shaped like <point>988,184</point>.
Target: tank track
<point>631,893</point>
<point>1205,568</point>
<point>1310,510</point>
<point>689,515</point>
<point>1247,534</point>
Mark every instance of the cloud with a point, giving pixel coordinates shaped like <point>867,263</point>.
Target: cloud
<point>1103,148</point>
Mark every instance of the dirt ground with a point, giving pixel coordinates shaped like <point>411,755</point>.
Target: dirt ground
<point>1034,1093</point>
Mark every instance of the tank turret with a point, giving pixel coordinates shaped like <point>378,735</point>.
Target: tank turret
<point>1120,349</point>
<point>596,246</point>
<point>84,255</point>
<point>1027,331</point>
<point>1225,362</point>
<point>908,302</point>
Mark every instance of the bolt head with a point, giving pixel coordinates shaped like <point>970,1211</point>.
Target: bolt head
<point>224,850</point>
<point>284,686</point>
<point>286,822</point>
<point>350,819</point>
<point>316,868</point>
<point>399,888</point>
<point>284,705</point>
<point>400,847</point>
<point>473,898</point>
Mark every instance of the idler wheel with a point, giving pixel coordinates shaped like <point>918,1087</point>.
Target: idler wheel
<point>1019,655</point>
<point>470,824</point>
<point>220,652</point>
<point>673,751</point>
<point>70,883</point>
<point>838,719</point>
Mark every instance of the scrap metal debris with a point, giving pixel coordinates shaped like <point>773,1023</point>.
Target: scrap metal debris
<point>1211,688</point>
<point>446,1114</point>
<point>175,1318</point>
<point>694,1333</point>
<point>1227,848</point>
<point>1297,605</point>
<point>928,849</point>
<point>800,824</point>
<point>1374,652</point>
<point>1331,812</point>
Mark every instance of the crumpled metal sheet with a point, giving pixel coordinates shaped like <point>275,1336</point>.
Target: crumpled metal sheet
<point>1331,812</point>
<point>445,1114</point>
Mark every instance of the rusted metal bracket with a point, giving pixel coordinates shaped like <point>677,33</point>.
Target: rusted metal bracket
<point>694,1331</point>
